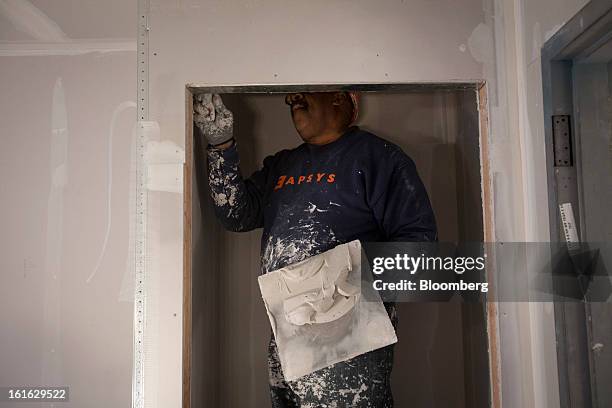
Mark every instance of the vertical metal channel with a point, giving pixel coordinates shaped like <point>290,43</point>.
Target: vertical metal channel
<point>140,245</point>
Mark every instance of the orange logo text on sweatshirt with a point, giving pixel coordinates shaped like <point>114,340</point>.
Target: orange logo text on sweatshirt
<point>284,180</point>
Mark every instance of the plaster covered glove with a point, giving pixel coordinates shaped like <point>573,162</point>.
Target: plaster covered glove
<point>214,120</point>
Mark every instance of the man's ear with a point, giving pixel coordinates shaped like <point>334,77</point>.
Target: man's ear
<point>339,98</point>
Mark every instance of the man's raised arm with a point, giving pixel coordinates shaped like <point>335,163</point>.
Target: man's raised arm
<point>237,201</point>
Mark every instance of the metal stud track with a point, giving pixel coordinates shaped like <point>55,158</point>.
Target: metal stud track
<point>140,246</point>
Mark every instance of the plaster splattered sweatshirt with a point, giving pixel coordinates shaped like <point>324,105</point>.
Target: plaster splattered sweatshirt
<point>312,198</point>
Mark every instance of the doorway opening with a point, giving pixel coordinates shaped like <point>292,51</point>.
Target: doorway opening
<point>442,358</point>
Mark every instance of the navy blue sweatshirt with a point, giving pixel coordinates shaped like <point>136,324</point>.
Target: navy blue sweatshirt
<point>312,198</point>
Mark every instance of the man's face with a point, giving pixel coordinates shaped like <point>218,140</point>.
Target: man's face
<point>313,113</point>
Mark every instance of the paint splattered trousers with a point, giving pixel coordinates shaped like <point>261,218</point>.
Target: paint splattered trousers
<point>361,382</point>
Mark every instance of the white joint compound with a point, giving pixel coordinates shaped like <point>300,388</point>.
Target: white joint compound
<point>318,314</point>
<point>164,162</point>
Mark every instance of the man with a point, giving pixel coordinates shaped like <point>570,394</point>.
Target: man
<point>341,184</point>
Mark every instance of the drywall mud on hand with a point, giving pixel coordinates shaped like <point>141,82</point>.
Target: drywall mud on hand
<point>212,118</point>
<point>318,314</point>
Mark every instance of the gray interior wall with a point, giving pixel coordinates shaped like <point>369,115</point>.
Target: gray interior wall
<point>429,368</point>
<point>593,123</point>
<point>592,82</point>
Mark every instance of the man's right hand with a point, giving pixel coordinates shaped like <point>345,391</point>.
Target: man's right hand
<point>212,118</point>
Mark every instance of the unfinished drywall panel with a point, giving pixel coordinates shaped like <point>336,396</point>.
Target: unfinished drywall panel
<point>431,127</point>
<point>67,79</point>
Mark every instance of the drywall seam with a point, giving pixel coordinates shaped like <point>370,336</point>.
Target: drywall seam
<point>109,183</point>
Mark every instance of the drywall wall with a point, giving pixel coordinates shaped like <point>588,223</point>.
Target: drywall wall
<point>432,128</point>
<point>67,80</point>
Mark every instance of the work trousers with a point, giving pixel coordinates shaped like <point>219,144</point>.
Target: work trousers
<point>361,382</point>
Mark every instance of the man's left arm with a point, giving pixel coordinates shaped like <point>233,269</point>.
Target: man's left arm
<point>403,210</point>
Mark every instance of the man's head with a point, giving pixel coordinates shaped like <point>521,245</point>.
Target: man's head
<point>321,117</point>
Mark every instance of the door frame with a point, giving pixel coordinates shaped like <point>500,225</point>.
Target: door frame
<point>582,34</point>
<point>490,311</point>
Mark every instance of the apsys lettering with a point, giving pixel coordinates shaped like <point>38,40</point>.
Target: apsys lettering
<point>285,181</point>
